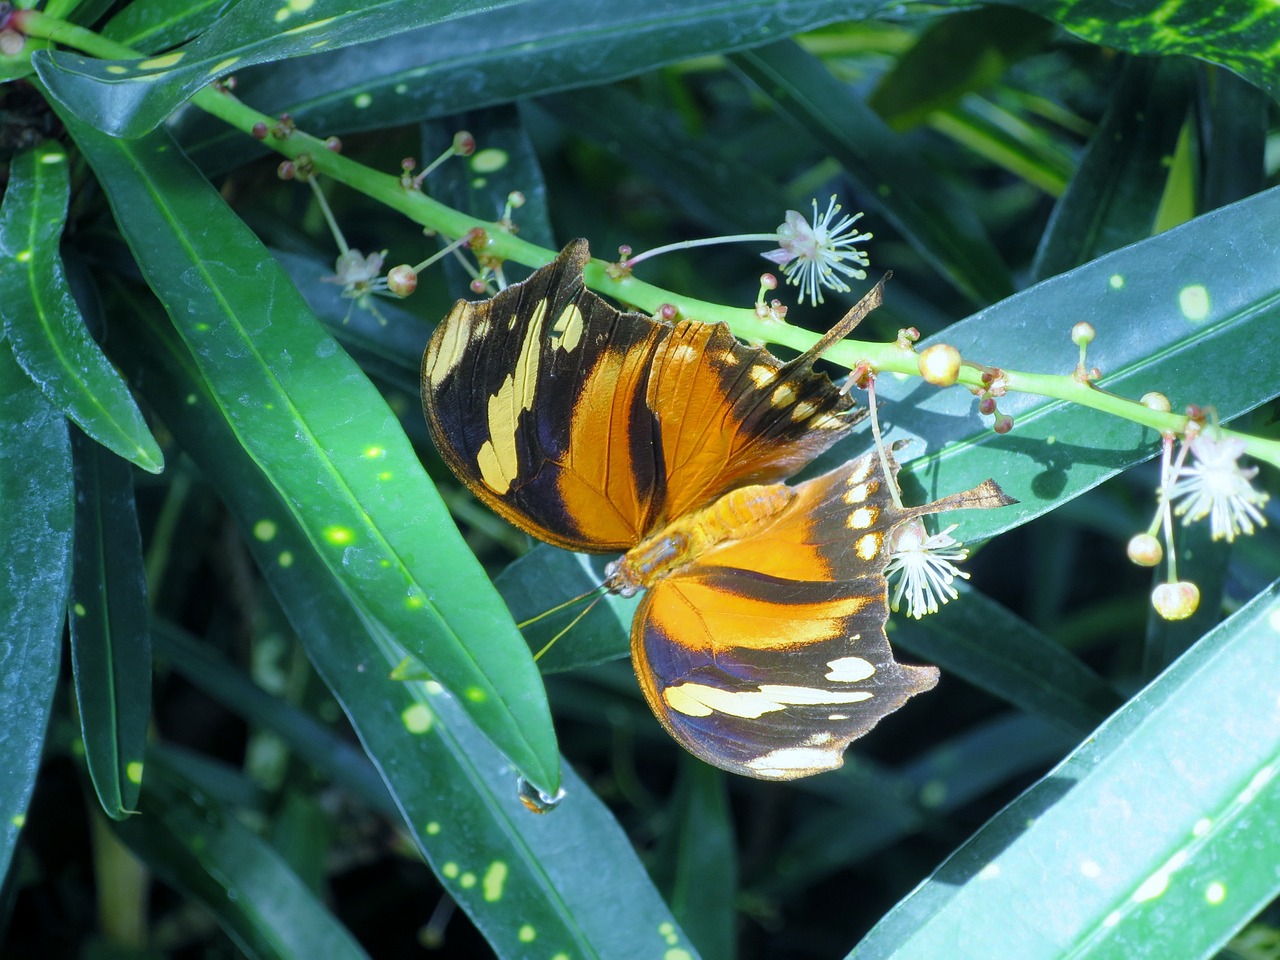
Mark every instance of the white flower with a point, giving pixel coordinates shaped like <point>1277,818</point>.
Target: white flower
<point>813,255</point>
<point>926,568</point>
<point>356,273</point>
<point>1217,486</point>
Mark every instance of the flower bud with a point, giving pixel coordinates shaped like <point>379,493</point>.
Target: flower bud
<point>402,280</point>
<point>1145,550</point>
<point>1176,601</point>
<point>1082,334</point>
<point>1156,401</point>
<point>940,364</point>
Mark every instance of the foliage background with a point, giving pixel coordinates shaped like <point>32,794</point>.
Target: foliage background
<point>234,618</point>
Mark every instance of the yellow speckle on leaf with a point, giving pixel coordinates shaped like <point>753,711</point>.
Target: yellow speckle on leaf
<point>116,69</point>
<point>79,609</point>
<point>285,559</point>
<point>375,452</point>
<point>362,101</point>
<point>1215,893</point>
<point>265,530</point>
<point>526,934</point>
<point>433,828</point>
<point>476,695</point>
<point>494,879</point>
<point>489,160</point>
<point>133,770</point>
<point>1116,282</point>
<point>161,63</point>
<point>467,880</point>
<point>23,256</point>
<point>338,535</point>
<point>450,870</point>
<point>18,820</point>
<point>222,66</point>
<point>417,718</point>
<point>1193,300</point>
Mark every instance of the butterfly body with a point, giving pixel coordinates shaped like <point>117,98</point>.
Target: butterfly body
<point>759,643</point>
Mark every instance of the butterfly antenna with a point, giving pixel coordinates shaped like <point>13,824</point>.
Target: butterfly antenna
<point>572,623</point>
<point>872,299</point>
<point>889,478</point>
<point>558,607</point>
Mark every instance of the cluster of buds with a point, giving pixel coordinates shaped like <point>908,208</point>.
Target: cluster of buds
<point>775,311</point>
<point>994,386</point>
<point>1213,485</point>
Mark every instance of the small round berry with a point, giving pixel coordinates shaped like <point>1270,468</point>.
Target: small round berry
<point>768,281</point>
<point>1156,401</point>
<point>464,144</point>
<point>1145,550</point>
<point>286,170</point>
<point>259,131</point>
<point>987,406</point>
<point>333,144</point>
<point>1003,424</point>
<point>668,311</point>
<point>402,280</point>
<point>516,199</point>
<point>1082,334</point>
<point>940,364</point>
<point>1176,601</point>
<point>478,286</point>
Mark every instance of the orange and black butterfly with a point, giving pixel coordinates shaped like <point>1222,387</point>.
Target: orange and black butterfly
<point>760,643</point>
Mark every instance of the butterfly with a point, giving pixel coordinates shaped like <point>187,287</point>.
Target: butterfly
<point>760,641</point>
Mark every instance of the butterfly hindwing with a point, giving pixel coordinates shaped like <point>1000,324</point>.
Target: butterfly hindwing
<point>768,655</point>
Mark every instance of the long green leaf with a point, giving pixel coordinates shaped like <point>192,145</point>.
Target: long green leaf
<point>535,885</point>
<point>42,320</point>
<point>1114,196</point>
<point>540,46</point>
<point>1171,313</point>
<point>890,172</point>
<point>1158,837</point>
<point>110,634</point>
<point>128,98</point>
<point>1243,37</point>
<point>202,849</point>
<point>36,498</point>
<point>325,439</point>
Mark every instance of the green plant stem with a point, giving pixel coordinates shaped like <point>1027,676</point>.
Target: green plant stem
<point>501,245</point>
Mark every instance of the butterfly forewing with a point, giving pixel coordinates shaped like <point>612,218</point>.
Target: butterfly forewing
<point>590,427</point>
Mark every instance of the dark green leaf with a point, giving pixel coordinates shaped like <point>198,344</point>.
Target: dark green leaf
<point>128,98</point>
<point>959,54</point>
<point>1115,194</point>
<point>553,881</point>
<point>892,177</point>
<point>306,736</point>
<point>326,441</point>
<point>540,46</point>
<point>1170,312</point>
<point>200,848</point>
<point>1235,134</point>
<point>42,320</point>
<point>706,863</point>
<point>1158,837</point>
<point>1243,37</point>
<point>151,25</point>
<point>36,498</point>
<point>979,640</point>
<point>110,635</point>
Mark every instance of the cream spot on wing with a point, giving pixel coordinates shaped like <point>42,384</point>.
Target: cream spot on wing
<point>861,470</point>
<point>803,410</point>
<point>701,700</point>
<point>783,395</point>
<point>850,669</point>
<point>569,328</point>
<point>868,546</point>
<point>792,762</point>
<point>862,518</point>
<point>497,458</point>
<point>449,342</point>
<point>857,493</point>
<point>761,375</point>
